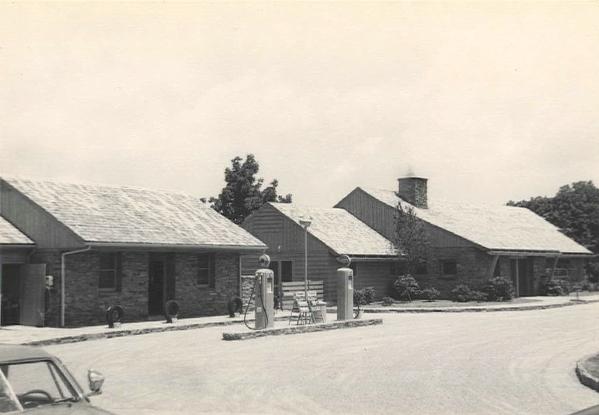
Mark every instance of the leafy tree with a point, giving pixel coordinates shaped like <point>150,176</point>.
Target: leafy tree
<point>243,192</point>
<point>574,209</point>
<point>410,237</point>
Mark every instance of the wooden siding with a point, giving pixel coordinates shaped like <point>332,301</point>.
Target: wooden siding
<point>285,240</point>
<point>371,211</point>
<point>35,222</point>
<point>381,217</point>
<point>14,256</point>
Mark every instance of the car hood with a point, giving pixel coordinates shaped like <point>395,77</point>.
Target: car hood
<point>82,408</point>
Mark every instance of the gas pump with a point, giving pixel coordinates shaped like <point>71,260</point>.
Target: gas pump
<point>345,290</point>
<point>263,291</point>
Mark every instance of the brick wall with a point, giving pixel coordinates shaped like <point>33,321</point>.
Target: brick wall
<point>197,300</point>
<point>86,304</point>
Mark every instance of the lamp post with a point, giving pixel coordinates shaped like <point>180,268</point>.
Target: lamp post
<point>305,224</point>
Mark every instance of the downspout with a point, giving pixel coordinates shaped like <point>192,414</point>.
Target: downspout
<point>63,274</point>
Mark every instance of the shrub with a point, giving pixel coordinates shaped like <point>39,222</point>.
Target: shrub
<point>555,287</point>
<point>589,286</point>
<point>387,301</point>
<point>430,294</point>
<point>406,287</point>
<point>593,271</point>
<point>462,293</point>
<point>364,296</point>
<point>499,289</point>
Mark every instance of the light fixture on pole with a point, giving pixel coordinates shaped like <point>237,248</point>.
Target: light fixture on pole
<point>305,222</point>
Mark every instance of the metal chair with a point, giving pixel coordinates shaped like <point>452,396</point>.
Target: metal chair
<point>303,310</point>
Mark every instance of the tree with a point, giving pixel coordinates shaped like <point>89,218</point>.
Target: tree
<point>243,192</point>
<point>574,209</point>
<point>410,237</point>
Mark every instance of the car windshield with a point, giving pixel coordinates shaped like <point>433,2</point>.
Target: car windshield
<point>31,384</point>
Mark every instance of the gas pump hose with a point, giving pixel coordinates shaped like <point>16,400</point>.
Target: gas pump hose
<point>247,307</point>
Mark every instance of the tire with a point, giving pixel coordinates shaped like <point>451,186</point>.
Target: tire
<point>171,310</point>
<point>234,306</point>
<point>114,314</point>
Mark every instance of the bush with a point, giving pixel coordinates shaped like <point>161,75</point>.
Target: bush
<point>364,296</point>
<point>406,287</point>
<point>430,294</point>
<point>462,293</point>
<point>387,301</point>
<point>555,287</point>
<point>499,289</point>
<point>593,271</point>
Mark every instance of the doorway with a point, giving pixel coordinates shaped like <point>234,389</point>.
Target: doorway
<point>522,276</point>
<point>156,286</point>
<point>11,294</point>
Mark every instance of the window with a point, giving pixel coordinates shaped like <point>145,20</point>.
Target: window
<point>421,269</point>
<point>206,272</point>
<point>354,268</point>
<point>41,375</point>
<point>449,267</point>
<point>286,271</point>
<point>397,268</point>
<point>109,271</point>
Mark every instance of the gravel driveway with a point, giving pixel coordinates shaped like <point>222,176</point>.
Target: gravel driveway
<point>441,363</point>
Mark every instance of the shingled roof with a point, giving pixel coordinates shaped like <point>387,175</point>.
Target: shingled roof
<point>125,215</point>
<point>9,235</point>
<point>503,228</point>
<point>339,230</point>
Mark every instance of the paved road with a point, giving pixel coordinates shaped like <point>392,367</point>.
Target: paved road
<point>463,363</point>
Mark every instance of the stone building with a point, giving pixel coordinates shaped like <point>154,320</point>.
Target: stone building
<point>469,243</point>
<point>68,251</point>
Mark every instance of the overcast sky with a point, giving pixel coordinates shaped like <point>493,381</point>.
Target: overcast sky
<point>490,101</point>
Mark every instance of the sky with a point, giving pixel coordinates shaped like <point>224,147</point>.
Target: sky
<point>491,101</point>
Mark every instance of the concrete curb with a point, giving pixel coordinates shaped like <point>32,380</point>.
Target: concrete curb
<point>475,309</point>
<point>584,375</point>
<point>112,333</point>
<point>311,328</point>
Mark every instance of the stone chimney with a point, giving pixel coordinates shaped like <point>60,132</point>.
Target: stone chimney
<point>413,190</point>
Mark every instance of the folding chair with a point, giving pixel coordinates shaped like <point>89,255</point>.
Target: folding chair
<point>303,310</point>
<point>315,307</point>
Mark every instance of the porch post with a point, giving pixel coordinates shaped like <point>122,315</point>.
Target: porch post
<point>492,267</point>
<point>554,266</point>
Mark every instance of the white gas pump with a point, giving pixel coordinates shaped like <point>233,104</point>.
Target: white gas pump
<point>263,293</point>
<point>345,290</point>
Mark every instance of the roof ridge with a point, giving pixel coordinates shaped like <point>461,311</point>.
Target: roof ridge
<point>98,185</point>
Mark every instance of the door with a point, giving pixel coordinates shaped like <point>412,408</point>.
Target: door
<point>522,276</point>
<point>33,294</point>
<point>11,294</point>
<point>156,287</point>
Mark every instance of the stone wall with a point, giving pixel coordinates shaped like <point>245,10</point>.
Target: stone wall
<point>472,268</point>
<point>86,304</point>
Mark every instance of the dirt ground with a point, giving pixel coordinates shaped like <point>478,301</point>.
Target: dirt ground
<point>439,363</point>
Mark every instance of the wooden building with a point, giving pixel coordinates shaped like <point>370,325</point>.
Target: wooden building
<point>104,245</point>
<point>470,243</point>
<point>331,233</point>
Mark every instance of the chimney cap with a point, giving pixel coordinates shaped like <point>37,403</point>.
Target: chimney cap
<point>413,177</point>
